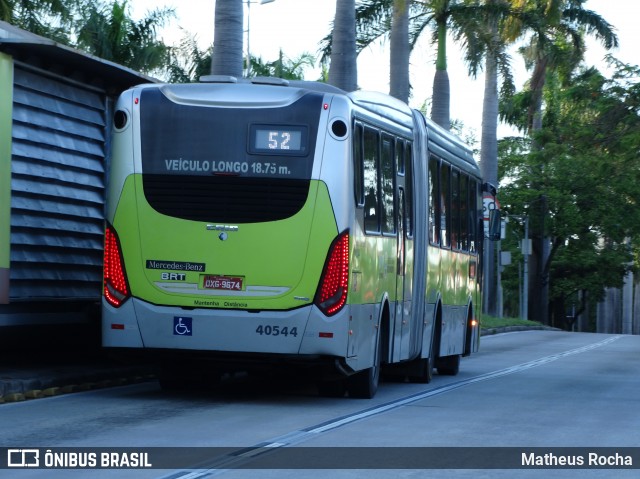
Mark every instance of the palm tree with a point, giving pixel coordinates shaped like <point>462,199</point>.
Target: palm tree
<point>109,32</point>
<point>40,16</point>
<point>496,62</point>
<point>399,46</point>
<point>441,99</point>
<point>343,71</point>
<point>226,58</point>
<point>557,30</point>
<point>283,67</point>
<point>469,22</point>
<point>457,17</point>
<point>554,25</point>
<point>187,61</point>
<point>489,135</point>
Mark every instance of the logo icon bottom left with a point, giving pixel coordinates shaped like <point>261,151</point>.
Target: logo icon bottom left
<point>23,458</point>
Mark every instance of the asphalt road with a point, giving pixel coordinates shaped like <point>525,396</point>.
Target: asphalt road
<point>522,396</point>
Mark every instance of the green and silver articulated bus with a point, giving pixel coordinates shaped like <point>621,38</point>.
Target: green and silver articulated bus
<point>263,223</point>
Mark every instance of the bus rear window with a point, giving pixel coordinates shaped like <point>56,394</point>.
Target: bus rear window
<point>180,139</point>
<point>238,165</point>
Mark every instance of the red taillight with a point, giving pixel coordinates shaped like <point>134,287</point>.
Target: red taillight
<point>116,289</point>
<point>333,288</point>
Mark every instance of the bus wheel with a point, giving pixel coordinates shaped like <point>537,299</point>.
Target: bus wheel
<point>448,365</point>
<point>421,370</point>
<point>364,384</point>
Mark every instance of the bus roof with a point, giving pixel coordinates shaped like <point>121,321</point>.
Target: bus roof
<point>282,92</point>
<point>383,105</point>
<point>449,146</point>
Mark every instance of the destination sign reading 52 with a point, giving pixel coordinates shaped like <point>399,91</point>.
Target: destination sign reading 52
<point>278,139</point>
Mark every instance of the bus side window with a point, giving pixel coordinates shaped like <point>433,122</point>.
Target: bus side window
<point>473,215</point>
<point>445,200</point>
<point>371,164</point>
<point>464,212</point>
<point>434,201</point>
<point>408,188</point>
<point>400,156</point>
<point>388,183</point>
<point>357,165</point>
<point>455,209</point>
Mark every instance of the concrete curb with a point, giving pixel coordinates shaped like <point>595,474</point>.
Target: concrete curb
<point>39,382</point>
<point>510,329</point>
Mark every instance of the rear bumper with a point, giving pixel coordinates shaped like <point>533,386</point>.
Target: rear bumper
<point>303,331</point>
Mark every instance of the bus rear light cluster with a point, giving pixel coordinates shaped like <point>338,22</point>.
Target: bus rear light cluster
<point>334,283</point>
<point>116,288</point>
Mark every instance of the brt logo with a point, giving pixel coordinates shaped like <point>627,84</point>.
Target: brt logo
<point>173,276</point>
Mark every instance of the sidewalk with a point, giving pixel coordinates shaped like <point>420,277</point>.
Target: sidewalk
<point>35,375</point>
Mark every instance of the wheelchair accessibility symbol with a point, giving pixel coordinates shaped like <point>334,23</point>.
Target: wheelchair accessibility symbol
<point>182,326</point>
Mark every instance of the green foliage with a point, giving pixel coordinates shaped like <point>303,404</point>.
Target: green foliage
<point>187,62</point>
<point>466,20</point>
<point>490,322</point>
<point>283,67</point>
<point>103,29</point>
<point>556,31</point>
<point>108,31</point>
<point>585,166</point>
<point>48,18</point>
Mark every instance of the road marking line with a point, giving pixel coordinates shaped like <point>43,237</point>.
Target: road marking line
<point>227,463</point>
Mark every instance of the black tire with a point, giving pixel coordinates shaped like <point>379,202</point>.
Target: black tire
<point>421,370</point>
<point>364,384</point>
<point>448,365</point>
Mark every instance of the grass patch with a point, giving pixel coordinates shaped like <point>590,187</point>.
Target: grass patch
<point>489,322</point>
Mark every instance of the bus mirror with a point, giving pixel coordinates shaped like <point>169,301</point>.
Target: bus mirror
<point>494,225</point>
<point>489,188</point>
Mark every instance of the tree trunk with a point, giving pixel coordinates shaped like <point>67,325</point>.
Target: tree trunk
<point>538,80</point>
<point>343,71</point>
<point>399,46</point>
<point>540,291</point>
<point>226,58</point>
<point>489,144</point>
<point>559,314</point>
<point>440,102</point>
<point>489,166</point>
